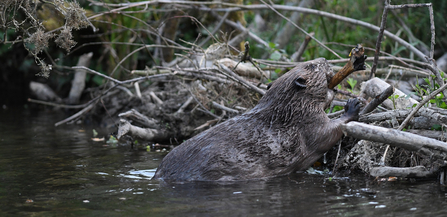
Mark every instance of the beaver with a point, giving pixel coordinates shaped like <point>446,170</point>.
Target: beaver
<point>286,131</point>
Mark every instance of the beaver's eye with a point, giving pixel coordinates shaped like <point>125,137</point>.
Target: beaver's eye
<point>300,82</point>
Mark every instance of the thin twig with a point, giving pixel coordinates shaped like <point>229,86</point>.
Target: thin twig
<point>302,30</point>
<point>430,60</point>
<point>86,109</point>
<point>237,7</point>
<point>297,55</point>
<point>241,80</point>
<point>379,39</point>
<point>243,29</point>
<point>225,16</point>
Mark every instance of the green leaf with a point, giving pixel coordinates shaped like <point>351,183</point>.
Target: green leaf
<point>112,140</point>
<point>436,127</point>
<point>443,105</point>
<point>275,55</point>
<point>352,82</point>
<point>272,45</point>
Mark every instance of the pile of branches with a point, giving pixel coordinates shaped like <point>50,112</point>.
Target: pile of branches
<point>209,80</point>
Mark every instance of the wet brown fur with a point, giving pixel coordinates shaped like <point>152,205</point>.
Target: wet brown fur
<point>287,131</point>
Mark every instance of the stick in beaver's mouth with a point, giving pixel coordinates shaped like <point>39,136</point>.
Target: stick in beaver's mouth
<point>356,62</point>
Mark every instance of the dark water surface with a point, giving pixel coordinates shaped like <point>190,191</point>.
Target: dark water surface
<point>64,173</point>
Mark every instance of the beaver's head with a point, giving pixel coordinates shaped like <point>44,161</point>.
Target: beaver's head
<point>301,91</point>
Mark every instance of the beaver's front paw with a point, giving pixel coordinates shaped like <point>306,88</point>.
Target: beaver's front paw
<point>359,63</point>
<point>352,109</point>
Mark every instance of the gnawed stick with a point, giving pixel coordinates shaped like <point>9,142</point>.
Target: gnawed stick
<point>356,62</point>
<point>408,141</point>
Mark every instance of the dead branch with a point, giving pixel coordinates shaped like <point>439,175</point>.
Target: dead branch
<point>77,115</point>
<point>243,69</point>
<point>155,98</point>
<point>224,108</point>
<point>125,128</point>
<point>285,34</point>
<point>433,115</point>
<point>136,116</point>
<point>297,55</point>
<point>408,141</point>
<point>410,172</point>
<point>422,103</point>
<point>301,29</point>
<point>237,78</point>
<point>439,135</point>
<point>378,100</point>
<point>239,27</point>
<point>186,104</point>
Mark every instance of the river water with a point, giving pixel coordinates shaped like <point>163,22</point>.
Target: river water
<point>60,171</point>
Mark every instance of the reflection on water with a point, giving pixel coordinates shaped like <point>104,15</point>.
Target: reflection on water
<point>48,171</point>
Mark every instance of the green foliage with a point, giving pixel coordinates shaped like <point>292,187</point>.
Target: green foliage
<point>112,140</point>
<point>352,82</point>
<point>393,99</point>
<point>335,109</point>
<point>438,101</point>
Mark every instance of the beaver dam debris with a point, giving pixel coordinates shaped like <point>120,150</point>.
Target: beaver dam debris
<point>199,92</point>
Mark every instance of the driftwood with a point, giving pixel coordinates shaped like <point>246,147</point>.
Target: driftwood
<point>409,141</point>
<point>409,172</point>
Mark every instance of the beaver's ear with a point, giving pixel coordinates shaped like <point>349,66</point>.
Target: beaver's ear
<point>269,85</point>
<point>300,82</point>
